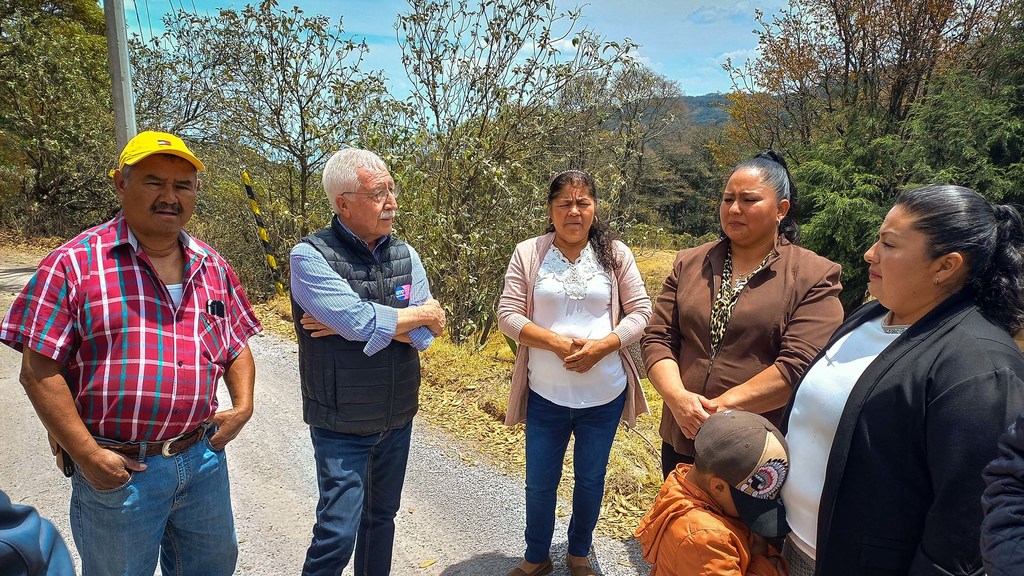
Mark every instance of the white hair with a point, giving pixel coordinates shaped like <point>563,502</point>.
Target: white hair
<point>340,176</point>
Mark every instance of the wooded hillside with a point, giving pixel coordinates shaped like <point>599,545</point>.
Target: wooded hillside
<point>865,97</point>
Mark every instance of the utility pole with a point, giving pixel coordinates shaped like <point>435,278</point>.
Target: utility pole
<point>120,71</point>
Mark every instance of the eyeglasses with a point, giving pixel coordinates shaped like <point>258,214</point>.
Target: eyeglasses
<point>378,196</point>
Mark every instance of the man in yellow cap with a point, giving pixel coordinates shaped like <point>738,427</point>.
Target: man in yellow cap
<point>125,332</point>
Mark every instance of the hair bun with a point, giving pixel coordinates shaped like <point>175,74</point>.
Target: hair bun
<point>1006,212</point>
<point>774,156</point>
<point>1009,224</point>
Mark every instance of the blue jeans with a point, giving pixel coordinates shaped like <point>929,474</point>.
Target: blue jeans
<point>360,480</point>
<point>548,427</point>
<point>178,510</point>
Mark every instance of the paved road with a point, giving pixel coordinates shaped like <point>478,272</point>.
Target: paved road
<point>456,519</point>
<point>13,277</point>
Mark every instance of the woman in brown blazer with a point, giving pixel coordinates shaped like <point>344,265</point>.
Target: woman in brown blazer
<point>738,320</point>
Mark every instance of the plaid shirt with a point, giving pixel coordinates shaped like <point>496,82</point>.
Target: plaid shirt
<point>138,369</point>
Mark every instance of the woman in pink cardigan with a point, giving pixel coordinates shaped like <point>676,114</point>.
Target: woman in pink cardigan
<point>573,300</point>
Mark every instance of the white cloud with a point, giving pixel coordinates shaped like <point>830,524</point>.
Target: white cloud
<point>738,57</point>
<point>716,13</point>
<point>565,45</point>
<point>731,13</point>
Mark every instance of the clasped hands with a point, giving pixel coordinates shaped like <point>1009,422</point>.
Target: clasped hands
<point>690,411</point>
<point>581,354</point>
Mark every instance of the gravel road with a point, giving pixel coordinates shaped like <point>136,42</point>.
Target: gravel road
<point>456,518</point>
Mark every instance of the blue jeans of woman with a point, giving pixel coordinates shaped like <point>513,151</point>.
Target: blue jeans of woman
<point>178,510</point>
<point>360,480</point>
<point>548,427</point>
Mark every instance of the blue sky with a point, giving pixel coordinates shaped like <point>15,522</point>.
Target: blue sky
<point>685,40</point>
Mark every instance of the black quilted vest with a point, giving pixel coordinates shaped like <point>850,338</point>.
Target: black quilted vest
<point>343,389</point>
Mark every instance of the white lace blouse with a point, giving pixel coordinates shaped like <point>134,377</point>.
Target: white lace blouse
<point>574,300</point>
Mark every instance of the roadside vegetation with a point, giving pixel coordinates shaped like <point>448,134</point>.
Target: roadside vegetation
<point>865,99</point>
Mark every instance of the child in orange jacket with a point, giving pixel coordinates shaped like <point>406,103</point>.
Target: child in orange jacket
<point>709,518</point>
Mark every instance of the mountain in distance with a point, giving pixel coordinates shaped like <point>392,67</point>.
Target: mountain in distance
<point>707,108</point>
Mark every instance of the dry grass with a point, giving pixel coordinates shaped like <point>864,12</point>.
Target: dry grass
<point>465,392</point>
<point>654,267</point>
<point>634,470</point>
<point>276,316</point>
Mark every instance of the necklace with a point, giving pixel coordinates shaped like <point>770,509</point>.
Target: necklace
<point>749,272</point>
<point>889,328</point>
<point>739,280</point>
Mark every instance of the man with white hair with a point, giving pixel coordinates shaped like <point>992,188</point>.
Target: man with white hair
<point>363,311</point>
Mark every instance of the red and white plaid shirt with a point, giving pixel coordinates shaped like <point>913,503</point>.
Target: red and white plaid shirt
<point>139,368</point>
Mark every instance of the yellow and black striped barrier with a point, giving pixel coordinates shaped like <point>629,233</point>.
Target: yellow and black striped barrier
<point>264,239</point>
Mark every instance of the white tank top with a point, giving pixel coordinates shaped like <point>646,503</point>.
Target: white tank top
<point>817,407</point>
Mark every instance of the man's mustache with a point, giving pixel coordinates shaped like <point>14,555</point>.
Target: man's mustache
<point>163,207</point>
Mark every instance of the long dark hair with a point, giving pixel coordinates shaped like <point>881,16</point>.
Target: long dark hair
<point>602,237</point>
<point>989,236</point>
<point>774,172</point>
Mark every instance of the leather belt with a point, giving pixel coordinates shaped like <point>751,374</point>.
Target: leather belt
<point>166,448</point>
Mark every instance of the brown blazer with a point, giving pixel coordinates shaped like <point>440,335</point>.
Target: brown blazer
<point>783,317</point>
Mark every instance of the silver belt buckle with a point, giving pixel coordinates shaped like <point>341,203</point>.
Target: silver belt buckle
<point>165,450</point>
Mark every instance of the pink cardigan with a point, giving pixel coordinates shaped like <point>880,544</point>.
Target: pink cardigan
<point>516,308</point>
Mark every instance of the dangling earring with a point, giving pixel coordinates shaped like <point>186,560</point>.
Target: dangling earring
<point>936,281</point>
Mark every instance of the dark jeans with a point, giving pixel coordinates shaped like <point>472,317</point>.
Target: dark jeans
<point>360,480</point>
<point>548,427</point>
<point>670,458</point>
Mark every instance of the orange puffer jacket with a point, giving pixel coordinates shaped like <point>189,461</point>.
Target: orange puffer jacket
<point>686,534</point>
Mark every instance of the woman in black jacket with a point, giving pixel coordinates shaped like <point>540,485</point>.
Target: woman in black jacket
<point>1002,531</point>
<point>891,425</point>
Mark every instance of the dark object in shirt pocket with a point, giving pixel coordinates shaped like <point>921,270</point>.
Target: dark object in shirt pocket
<point>215,308</point>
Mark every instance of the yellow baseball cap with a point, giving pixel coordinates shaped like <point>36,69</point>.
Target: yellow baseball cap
<point>148,143</point>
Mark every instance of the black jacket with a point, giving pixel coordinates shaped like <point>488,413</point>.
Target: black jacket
<point>1002,531</point>
<point>343,389</point>
<point>902,492</point>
